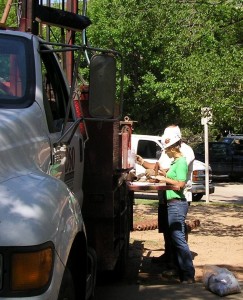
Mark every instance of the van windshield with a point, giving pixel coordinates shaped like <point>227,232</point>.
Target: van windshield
<point>16,77</point>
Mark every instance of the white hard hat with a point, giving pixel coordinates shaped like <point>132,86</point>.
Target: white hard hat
<point>168,141</point>
<point>172,130</point>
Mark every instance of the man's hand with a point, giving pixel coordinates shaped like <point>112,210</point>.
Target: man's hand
<point>160,178</point>
<point>162,172</point>
<point>149,172</point>
<point>139,160</point>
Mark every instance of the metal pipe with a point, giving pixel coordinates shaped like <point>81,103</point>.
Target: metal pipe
<point>6,12</point>
<point>84,36</point>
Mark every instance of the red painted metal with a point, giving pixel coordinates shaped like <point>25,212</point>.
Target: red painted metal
<point>72,6</point>
<point>126,136</point>
<point>81,107</point>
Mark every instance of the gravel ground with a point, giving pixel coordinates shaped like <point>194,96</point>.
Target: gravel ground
<point>217,241</point>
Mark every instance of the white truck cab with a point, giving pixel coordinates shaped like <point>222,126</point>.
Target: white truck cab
<point>65,209</point>
<point>150,148</point>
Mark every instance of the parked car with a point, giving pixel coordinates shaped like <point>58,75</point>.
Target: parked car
<point>150,147</point>
<point>232,138</point>
<point>225,158</point>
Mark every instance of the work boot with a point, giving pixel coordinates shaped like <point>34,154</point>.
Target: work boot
<point>188,281</point>
<point>170,273</point>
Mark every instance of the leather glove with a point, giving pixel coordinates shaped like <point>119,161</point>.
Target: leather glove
<point>139,160</point>
<point>149,172</point>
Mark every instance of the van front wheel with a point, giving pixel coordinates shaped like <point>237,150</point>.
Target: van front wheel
<point>197,196</point>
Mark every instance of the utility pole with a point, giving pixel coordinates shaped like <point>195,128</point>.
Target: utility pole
<point>206,113</point>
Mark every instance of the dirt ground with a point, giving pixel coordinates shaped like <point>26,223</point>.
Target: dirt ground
<point>217,241</point>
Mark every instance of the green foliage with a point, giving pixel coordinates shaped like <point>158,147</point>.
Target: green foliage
<point>180,56</point>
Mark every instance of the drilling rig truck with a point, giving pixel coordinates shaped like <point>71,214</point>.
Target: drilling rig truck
<point>65,209</point>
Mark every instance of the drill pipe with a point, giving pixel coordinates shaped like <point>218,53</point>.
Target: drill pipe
<point>153,224</point>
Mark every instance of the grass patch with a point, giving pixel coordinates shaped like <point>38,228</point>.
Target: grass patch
<point>221,204</point>
<point>153,203</point>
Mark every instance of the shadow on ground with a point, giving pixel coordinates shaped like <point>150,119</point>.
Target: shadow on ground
<point>143,281</point>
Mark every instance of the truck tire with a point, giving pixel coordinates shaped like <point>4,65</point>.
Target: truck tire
<point>120,268</point>
<point>91,281</point>
<point>67,290</point>
<point>197,197</point>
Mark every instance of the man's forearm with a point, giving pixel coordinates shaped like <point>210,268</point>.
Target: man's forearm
<point>148,165</point>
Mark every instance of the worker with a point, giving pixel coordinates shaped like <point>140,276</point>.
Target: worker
<point>164,164</point>
<point>177,207</point>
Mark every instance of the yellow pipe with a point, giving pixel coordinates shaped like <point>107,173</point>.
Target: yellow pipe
<point>6,12</point>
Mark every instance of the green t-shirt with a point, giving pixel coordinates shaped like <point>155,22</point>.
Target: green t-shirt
<point>178,171</point>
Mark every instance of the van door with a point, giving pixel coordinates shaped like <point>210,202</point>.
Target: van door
<point>237,150</point>
<point>220,158</point>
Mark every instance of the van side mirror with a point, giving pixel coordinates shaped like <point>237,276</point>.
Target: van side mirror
<point>102,92</point>
<point>158,154</point>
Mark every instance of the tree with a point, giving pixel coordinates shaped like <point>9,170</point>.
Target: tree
<point>179,56</point>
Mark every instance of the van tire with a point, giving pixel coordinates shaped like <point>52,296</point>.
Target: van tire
<point>197,196</point>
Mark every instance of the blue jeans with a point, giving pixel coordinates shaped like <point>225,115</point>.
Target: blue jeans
<point>177,212</point>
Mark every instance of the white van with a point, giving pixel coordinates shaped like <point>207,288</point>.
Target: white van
<point>150,147</point>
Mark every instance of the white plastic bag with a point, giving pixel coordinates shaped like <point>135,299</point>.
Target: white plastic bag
<point>220,281</point>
